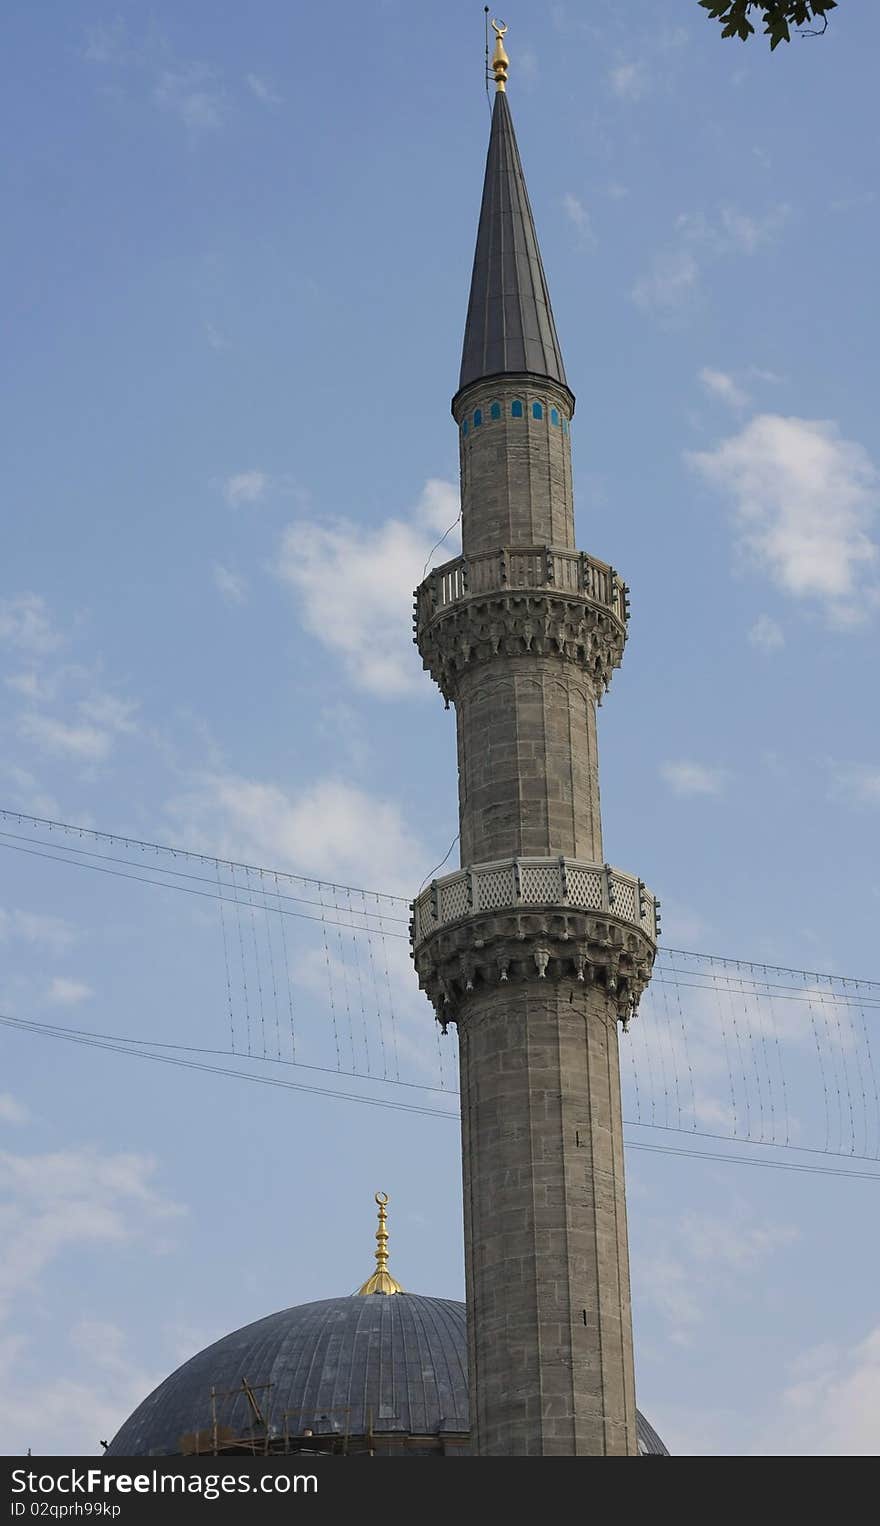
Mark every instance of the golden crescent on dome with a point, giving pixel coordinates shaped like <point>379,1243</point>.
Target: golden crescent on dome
<point>381,1198</point>
<point>499,27</point>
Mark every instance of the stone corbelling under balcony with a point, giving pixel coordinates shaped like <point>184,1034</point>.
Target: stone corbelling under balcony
<point>568,626</point>
<point>535,919</point>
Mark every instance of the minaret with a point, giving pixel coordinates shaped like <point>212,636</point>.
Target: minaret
<point>536,948</point>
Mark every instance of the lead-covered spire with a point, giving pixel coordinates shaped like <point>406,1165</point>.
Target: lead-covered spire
<point>510,326</point>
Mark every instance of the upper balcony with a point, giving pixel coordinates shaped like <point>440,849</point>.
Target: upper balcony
<point>524,884</point>
<point>520,569</point>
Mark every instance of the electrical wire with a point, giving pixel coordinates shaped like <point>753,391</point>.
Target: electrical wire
<point>46,1030</point>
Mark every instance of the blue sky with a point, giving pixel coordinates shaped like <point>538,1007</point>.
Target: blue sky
<point>236,255</point>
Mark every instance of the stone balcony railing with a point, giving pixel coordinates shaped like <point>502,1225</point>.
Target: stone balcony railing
<point>520,568</point>
<point>525,884</point>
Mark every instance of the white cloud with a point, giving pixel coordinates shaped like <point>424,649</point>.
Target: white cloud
<point>579,217</point>
<point>629,81</point>
<point>110,713</point>
<point>760,373</point>
<point>262,90</point>
<point>380,568</point>
<point>673,279</point>
<point>52,1201</point>
<point>689,1266</point>
<point>102,43</point>
<point>669,284</point>
<point>231,585</point>
<point>216,340</point>
<point>33,686</point>
<point>857,202</point>
<point>191,93</point>
<point>688,778</point>
<point>332,830</point>
<point>86,743</point>
<point>64,992</point>
<point>103,717</point>
<point>39,929</point>
<point>25,623</point>
<point>831,1409</point>
<point>804,502</point>
<point>732,231</point>
<point>748,233</point>
<point>27,793</point>
<point>719,384</point>
<point>858,783</point>
<point>246,487</point>
<point>71,1201</point>
<point>766,634</point>
<point>11,1110</point>
<point>70,1416</point>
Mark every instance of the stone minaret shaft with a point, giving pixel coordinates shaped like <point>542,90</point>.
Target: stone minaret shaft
<point>536,948</point>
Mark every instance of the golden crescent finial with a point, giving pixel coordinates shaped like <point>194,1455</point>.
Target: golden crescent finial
<point>500,60</point>
<point>381,1280</point>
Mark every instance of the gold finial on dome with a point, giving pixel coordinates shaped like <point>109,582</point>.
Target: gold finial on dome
<point>500,60</point>
<point>381,1280</point>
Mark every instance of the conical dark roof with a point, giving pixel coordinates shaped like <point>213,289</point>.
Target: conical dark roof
<point>510,326</point>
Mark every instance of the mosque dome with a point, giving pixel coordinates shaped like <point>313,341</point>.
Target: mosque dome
<point>375,1372</point>
<point>382,1371</point>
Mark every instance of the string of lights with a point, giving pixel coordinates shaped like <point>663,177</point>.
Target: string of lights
<point>116,1046</point>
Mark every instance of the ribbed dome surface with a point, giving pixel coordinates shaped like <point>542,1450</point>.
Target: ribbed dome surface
<point>395,1363</point>
<point>398,1363</point>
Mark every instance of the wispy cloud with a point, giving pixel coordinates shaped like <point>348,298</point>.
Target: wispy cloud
<point>231,585</point>
<point>25,623</point>
<point>25,792</point>
<point>669,284</point>
<point>187,89</point>
<point>53,1201</point>
<point>700,1258</point>
<point>804,500</point>
<point>721,384</point>
<point>100,719</point>
<point>672,280</point>
<point>731,230</point>
<point>766,634</point>
<point>64,992</point>
<point>30,684</point>
<point>331,828</point>
<point>629,80</point>
<point>106,44</point>
<point>40,929</point>
<point>856,783</point>
<point>246,487</point>
<point>579,217</point>
<point>88,744</point>
<point>686,777</point>
<point>382,567</point>
<point>831,1406</point>
<point>191,92</point>
<point>110,713</point>
<point>216,340</point>
<point>263,91</point>
<point>11,1110</point>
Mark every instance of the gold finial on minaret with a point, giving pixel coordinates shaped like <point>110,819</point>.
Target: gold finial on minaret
<point>500,60</point>
<point>381,1280</point>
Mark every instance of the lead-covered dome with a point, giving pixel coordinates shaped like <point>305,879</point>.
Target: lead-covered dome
<point>376,1366</point>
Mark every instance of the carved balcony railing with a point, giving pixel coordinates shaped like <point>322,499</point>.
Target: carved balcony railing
<point>520,568</point>
<point>528,883</point>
